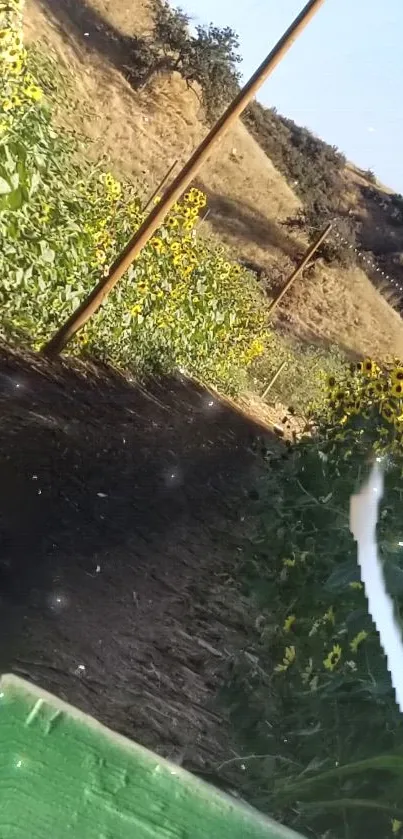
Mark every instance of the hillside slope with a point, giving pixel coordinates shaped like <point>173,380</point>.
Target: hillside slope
<point>143,133</point>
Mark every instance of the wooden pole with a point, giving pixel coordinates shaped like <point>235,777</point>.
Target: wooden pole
<point>157,215</point>
<point>298,270</point>
<point>202,220</point>
<point>160,186</point>
<point>273,379</point>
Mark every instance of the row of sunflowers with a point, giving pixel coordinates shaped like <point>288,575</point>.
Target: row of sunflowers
<point>184,304</point>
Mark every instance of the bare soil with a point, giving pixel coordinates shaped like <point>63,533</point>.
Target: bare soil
<point>123,510</point>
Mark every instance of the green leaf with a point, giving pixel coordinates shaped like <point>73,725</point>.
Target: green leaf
<point>15,199</point>
<point>343,575</point>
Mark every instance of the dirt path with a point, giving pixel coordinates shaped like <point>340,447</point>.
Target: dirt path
<point>120,518</point>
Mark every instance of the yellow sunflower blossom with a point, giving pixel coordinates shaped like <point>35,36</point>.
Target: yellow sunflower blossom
<point>288,659</point>
<point>158,244</point>
<point>396,389</point>
<point>289,623</point>
<point>369,367</point>
<point>388,411</point>
<point>332,659</point>
<point>33,92</point>
<point>135,310</point>
<point>359,638</point>
<point>397,374</point>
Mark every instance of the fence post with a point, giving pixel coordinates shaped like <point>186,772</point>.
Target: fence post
<point>298,270</point>
<point>273,379</point>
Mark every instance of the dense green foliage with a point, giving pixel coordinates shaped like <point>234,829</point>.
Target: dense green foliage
<point>62,222</point>
<point>317,700</point>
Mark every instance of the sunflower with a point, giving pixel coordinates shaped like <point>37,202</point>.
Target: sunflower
<point>371,390</point>
<point>33,92</point>
<point>397,389</point>
<point>157,244</point>
<point>289,623</point>
<point>368,367</point>
<point>397,374</point>
<point>356,407</point>
<point>332,659</point>
<point>340,395</point>
<point>359,638</point>
<point>388,411</point>
<point>16,67</point>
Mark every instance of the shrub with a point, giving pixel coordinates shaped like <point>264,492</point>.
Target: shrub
<point>317,700</point>
<point>312,167</point>
<point>62,222</point>
<point>208,58</point>
<point>370,176</point>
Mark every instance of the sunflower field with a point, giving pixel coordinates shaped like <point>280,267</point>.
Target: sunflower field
<point>320,707</point>
<point>184,304</point>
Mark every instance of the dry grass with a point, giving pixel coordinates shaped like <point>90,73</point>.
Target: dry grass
<point>248,198</point>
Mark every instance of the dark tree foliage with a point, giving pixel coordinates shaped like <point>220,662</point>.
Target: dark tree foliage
<point>312,167</point>
<point>208,57</point>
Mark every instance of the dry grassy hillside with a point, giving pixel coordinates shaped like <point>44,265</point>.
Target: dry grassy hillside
<point>145,132</point>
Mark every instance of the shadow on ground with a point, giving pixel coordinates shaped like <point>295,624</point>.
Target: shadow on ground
<point>81,24</point>
<point>121,523</point>
<point>246,224</point>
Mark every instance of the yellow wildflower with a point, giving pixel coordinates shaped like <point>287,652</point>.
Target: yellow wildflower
<point>359,638</point>
<point>388,411</point>
<point>332,659</point>
<point>288,659</point>
<point>289,563</point>
<point>397,389</point>
<point>368,367</point>
<point>397,374</point>
<point>289,623</point>
<point>158,244</point>
<point>32,91</point>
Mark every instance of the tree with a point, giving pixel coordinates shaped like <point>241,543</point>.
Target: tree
<point>212,62</point>
<point>208,58</point>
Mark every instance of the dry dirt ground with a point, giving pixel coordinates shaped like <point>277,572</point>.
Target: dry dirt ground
<point>123,511</point>
<point>144,132</point>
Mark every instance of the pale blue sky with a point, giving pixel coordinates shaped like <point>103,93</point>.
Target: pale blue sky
<point>343,78</point>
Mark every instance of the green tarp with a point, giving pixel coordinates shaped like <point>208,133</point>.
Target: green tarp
<point>62,774</point>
